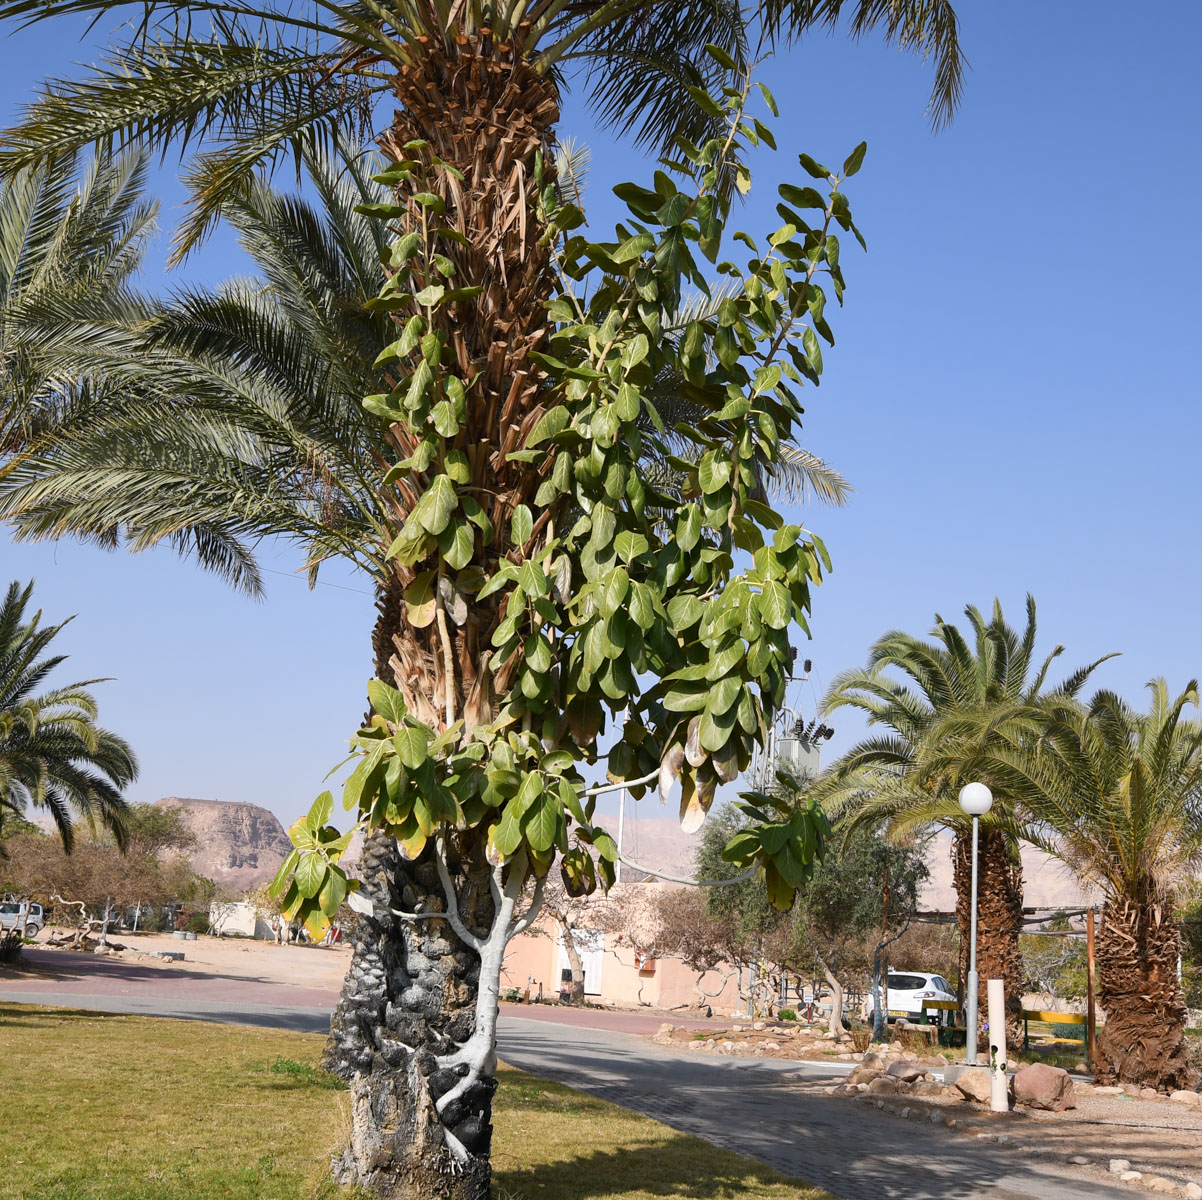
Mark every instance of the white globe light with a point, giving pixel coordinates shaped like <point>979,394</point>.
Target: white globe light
<point>976,799</point>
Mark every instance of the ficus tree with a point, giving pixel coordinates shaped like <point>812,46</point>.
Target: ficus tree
<point>554,597</point>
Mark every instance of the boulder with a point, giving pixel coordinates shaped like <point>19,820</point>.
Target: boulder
<point>883,1085</point>
<point>906,1072</point>
<point>873,1060</point>
<point>1157,1183</point>
<point>1107,1091</point>
<point>1193,1192</point>
<point>1131,1089</point>
<point>1193,1099</point>
<point>1119,1165</point>
<point>975,1084</point>
<point>928,1087</point>
<point>1148,1093</point>
<point>1044,1086</point>
<point>864,1074</point>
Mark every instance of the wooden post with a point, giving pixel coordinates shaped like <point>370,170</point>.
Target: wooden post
<point>1091,1024</point>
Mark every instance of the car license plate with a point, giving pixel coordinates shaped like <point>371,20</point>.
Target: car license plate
<point>899,1012</point>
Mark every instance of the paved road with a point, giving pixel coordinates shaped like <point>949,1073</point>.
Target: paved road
<point>749,1106</point>
<point>746,1105</point>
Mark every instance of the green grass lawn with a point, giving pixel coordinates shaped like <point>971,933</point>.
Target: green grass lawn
<point>100,1107</point>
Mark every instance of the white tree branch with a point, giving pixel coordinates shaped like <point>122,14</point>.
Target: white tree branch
<point>452,914</point>
<point>623,783</point>
<point>531,913</point>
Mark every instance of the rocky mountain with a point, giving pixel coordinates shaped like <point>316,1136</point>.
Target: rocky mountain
<point>238,846</point>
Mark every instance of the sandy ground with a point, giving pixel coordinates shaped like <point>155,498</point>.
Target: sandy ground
<point>236,969</point>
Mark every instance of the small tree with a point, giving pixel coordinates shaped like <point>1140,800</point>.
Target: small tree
<point>569,915</point>
<point>860,899</point>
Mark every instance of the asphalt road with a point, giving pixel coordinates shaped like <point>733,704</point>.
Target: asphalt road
<point>745,1105</point>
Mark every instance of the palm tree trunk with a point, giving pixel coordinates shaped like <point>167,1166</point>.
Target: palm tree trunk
<point>999,918</point>
<point>1143,1040</point>
<point>411,992</point>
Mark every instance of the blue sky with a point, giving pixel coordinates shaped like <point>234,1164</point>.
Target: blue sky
<point>1013,395</point>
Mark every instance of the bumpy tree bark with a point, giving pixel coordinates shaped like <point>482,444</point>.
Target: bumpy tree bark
<point>411,993</point>
<point>999,918</point>
<point>1143,1040</point>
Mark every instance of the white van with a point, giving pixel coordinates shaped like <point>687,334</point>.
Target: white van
<point>12,913</point>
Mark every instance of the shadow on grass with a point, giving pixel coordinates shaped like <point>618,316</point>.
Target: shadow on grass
<point>669,1167</point>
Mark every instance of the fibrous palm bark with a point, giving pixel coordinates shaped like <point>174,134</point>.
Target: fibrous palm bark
<point>999,918</point>
<point>411,990</point>
<point>1143,1039</point>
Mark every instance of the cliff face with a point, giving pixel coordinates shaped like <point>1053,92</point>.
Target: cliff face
<point>238,846</point>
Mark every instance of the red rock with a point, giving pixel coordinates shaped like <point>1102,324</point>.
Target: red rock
<point>1043,1086</point>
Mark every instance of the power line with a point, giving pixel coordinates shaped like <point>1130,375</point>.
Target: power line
<point>318,582</point>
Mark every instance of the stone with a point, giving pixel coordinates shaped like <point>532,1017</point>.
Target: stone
<point>864,1074</point>
<point>857,1058</point>
<point>936,1117</point>
<point>845,1057</point>
<point>1148,1093</point>
<point>1108,1091</point>
<point>664,1030</point>
<point>1158,1183</point>
<point>1193,1192</point>
<point>975,1084</point>
<point>736,1029</point>
<point>905,1112</point>
<point>1131,1176</point>
<point>1044,1087</point>
<point>928,1087</point>
<point>906,1072</point>
<point>1131,1089</point>
<point>1193,1099</point>
<point>1079,1160</point>
<point>883,1085</point>
<point>776,1046</point>
<point>757,1025</point>
<point>1119,1165</point>
<point>872,1060</point>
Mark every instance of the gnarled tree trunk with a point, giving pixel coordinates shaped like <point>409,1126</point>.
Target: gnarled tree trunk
<point>999,918</point>
<point>412,989</point>
<point>1143,1040</point>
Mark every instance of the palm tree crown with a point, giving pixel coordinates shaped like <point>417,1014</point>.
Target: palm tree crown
<point>69,239</point>
<point>53,755</point>
<point>966,696</point>
<point>1117,794</point>
<point>244,83</point>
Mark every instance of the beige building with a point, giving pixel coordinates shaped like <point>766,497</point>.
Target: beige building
<point>615,970</point>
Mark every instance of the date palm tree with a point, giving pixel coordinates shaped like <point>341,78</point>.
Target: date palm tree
<point>53,755</point>
<point>473,99</point>
<point>1116,794</point>
<point>966,695</point>
<point>217,419</point>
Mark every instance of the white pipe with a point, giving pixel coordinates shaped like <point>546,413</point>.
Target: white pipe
<point>973,982</point>
<point>999,1097</point>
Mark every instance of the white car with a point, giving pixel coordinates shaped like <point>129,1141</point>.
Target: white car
<point>908,991</point>
<point>12,912</point>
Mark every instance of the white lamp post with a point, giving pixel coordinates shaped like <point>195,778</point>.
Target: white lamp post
<point>976,800</point>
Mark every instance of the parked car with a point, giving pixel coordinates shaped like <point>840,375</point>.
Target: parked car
<point>907,991</point>
<point>12,912</point>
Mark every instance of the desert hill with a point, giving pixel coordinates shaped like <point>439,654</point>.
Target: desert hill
<point>238,846</point>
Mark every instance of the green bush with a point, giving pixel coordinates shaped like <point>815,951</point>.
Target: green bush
<point>787,1014</point>
<point>1069,1033</point>
<point>197,923</point>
